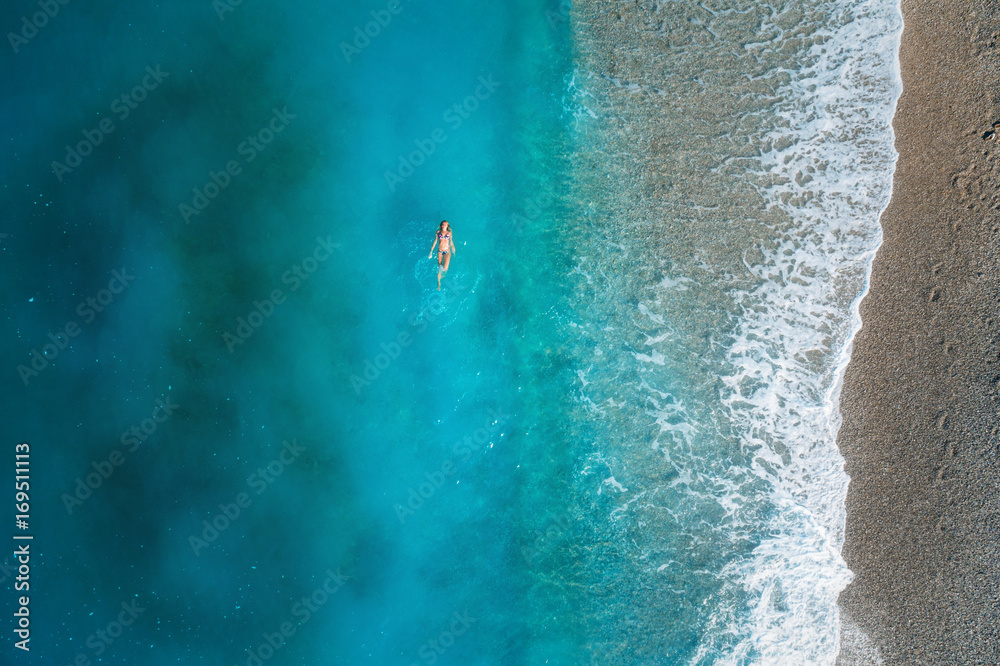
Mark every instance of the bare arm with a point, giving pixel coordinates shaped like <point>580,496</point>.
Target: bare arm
<point>453,246</point>
<point>431,254</point>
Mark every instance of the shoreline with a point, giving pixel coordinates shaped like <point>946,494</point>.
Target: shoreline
<point>663,121</point>
<point>920,394</point>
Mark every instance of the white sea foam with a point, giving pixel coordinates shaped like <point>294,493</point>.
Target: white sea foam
<point>793,341</point>
<point>745,414</point>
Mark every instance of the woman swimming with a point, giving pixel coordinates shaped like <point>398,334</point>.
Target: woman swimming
<point>446,248</point>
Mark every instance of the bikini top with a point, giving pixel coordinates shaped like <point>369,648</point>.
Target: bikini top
<point>446,236</point>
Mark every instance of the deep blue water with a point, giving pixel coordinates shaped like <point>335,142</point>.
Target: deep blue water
<point>458,413</point>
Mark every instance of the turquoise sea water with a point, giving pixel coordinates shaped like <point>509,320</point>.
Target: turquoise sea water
<point>260,434</point>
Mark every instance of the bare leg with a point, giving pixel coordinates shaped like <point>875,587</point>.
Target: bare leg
<point>444,258</point>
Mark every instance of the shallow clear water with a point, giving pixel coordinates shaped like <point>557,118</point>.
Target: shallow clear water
<point>608,438</point>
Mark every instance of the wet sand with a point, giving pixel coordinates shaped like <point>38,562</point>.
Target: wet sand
<point>920,398</point>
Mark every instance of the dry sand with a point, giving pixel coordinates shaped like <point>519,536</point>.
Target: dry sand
<point>920,399</point>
